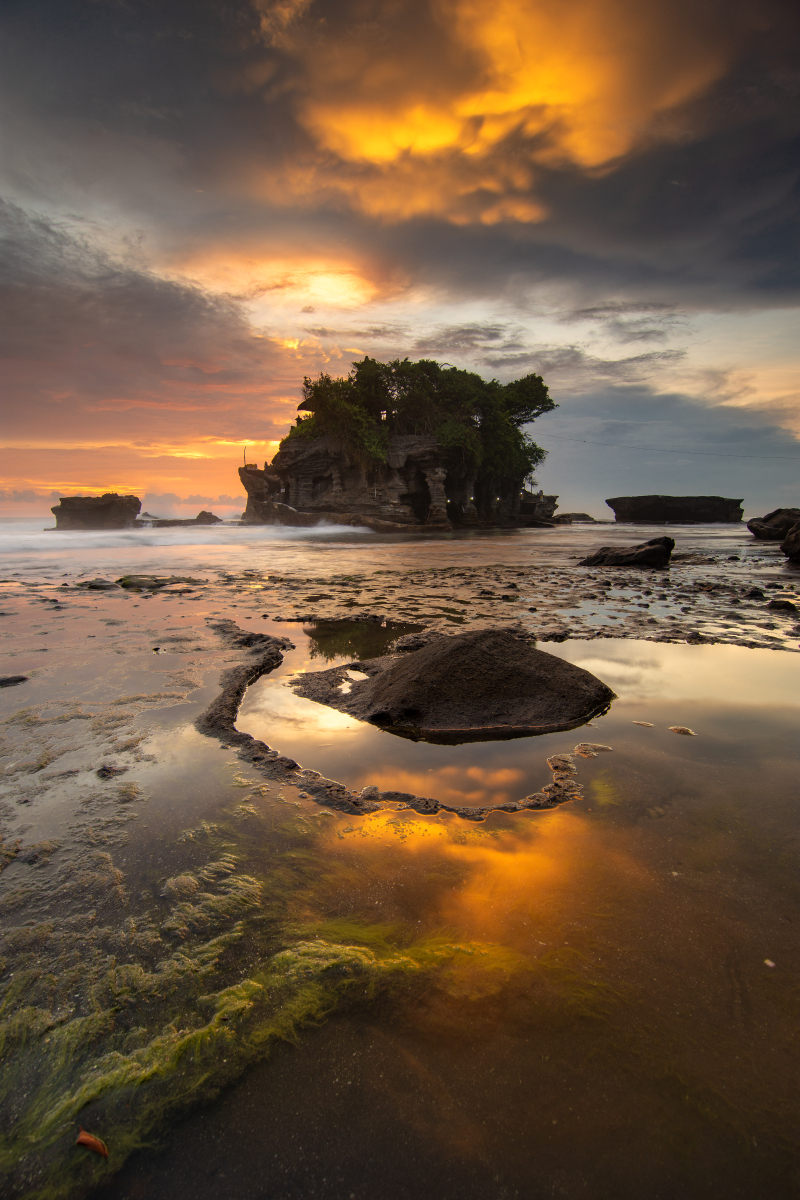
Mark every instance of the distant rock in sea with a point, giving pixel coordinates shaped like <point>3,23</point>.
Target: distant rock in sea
<point>202,518</point>
<point>109,511</point>
<point>676,510</point>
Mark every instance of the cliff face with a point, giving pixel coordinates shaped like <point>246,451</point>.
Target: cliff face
<point>677,510</point>
<point>110,511</point>
<point>421,484</point>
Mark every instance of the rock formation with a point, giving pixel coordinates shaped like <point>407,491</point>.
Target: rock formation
<point>791,544</point>
<point>421,484</point>
<point>655,553</point>
<point>539,506</point>
<point>480,686</point>
<point>109,511</point>
<point>202,518</point>
<point>676,510</point>
<point>775,525</point>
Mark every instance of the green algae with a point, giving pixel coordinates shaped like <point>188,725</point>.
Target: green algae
<point>120,1016</point>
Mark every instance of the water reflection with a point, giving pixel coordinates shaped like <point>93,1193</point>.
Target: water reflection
<point>679,680</point>
<point>603,1020</point>
<point>336,640</point>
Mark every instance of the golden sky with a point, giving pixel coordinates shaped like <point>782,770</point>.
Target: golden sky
<point>203,203</point>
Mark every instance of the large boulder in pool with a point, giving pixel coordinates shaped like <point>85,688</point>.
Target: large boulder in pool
<point>655,553</point>
<point>479,686</point>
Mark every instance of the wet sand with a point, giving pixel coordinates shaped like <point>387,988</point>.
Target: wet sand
<point>604,962</point>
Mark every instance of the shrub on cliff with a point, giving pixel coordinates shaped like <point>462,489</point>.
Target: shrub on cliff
<point>479,422</point>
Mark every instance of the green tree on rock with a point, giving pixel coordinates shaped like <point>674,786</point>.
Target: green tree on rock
<point>478,423</point>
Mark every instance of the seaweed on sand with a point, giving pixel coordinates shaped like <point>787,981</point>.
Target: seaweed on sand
<point>120,1016</point>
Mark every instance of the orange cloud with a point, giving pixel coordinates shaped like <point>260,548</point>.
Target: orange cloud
<point>452,108</point>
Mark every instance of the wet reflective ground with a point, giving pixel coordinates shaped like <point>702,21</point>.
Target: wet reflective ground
<point>250,996</point>
<point>617,1029</point>
<point>675,683</point>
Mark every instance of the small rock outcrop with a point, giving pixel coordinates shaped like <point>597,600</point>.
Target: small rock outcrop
<point>676,510</point>
<point>655,553</point>
<point>481,686</point>
<point>775,525</point>
<point>791,544</point>
<point>109,511</point>
<point>202,518</point>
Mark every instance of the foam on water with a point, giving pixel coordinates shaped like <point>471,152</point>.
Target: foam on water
<point>32,547</point>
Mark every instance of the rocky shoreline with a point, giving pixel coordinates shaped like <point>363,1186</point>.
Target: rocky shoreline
<point>76,748</point>
<point>701,599</point>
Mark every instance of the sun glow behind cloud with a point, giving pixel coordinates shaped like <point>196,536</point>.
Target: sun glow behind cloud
<point>280,280</point>
<point>456,121</point>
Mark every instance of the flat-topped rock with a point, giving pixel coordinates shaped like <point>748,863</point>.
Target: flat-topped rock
<point>109,511</point>
<point>676,510</point>
<point>479,686</point>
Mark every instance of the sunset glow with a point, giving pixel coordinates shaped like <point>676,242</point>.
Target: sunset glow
<point>597,191</point>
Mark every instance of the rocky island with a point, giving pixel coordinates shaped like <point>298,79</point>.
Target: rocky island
<point>109,511</point>
<point>676,510</point>
<point>405,445</point>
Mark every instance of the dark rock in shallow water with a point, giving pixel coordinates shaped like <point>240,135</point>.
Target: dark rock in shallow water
<point>775,525</point>
<point>98,585</point>
<point>791,544</point>
<point>782,606</point>
<point>202,518</point>
<point>479,686</point>
<point>655,553</point>
<point>154,582</point>
<point>678,510</point>
<point>109,511</point>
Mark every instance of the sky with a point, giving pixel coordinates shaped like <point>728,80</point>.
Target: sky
<point>202,202</point>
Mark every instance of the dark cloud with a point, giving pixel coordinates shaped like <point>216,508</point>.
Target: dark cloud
<point>573,369</point>
<point>24,495</point>
<point>193,121</point>
<point>89,340</point>
<point>628,322</point>
<point>509,349</point>
<point>471,340</point>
